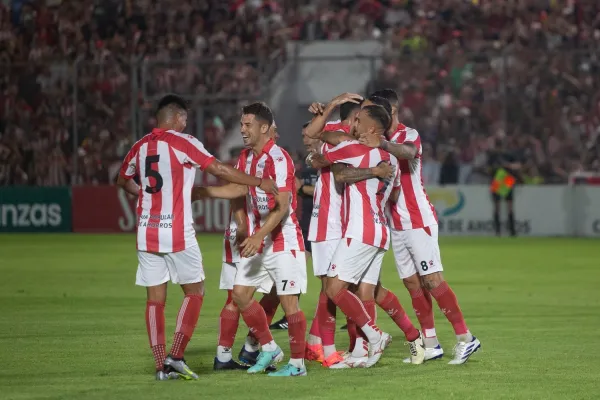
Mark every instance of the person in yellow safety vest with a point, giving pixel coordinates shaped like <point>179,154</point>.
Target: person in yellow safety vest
<point>505,169</point>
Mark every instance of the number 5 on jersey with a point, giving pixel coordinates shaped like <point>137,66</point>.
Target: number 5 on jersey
<point>150,160</point>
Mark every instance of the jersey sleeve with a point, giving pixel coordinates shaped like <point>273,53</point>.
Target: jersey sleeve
<point>196,154</point>
<point>412,137</point>
<point>285,173</point>
<point>349,152</point>
<point>129,166</point>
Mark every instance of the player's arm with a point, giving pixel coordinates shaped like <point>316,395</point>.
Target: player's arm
<point>251,245</point>
<point>315,127</point>
<point>128,171</point>
<point>345,174</point>
<point>394,196</point>
<point>238,210</point>
<point>197,155</point>
<point>334,138</point>
<point>402,151</point>
<point>128,185</point>
<point>230,191</point>
<point>232,175</point>
<point>305,190</point>
<point>317,161</point>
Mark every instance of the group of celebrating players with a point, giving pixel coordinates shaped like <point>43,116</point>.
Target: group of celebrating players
<point>368,194</point>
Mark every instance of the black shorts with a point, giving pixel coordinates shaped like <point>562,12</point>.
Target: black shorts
<point>307,244</point>
<point>497,197</point>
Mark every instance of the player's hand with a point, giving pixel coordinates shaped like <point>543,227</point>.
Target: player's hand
<point>384,170</point>
<point>316,108</point>
<point>269,186</point>
<point>347,97</point>
<point>250,246</point>
<point>370,140</point>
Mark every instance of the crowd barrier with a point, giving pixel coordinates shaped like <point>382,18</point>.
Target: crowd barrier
<point>560,210</point>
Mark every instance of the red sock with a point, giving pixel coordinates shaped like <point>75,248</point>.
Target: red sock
<point>228,326</point>
<point>314,326</point>
<point>352,333</point>
<point>269,305</point>
<point>327,311</point>
<point>155,325</point>
<point>447,302</point>
<point>352,307</point>
<point>229,297</point>
<point>186,323</point>
<point>391,305</point>
<point>297,334</point>
<point>254,316</point>
<point>421,301</point>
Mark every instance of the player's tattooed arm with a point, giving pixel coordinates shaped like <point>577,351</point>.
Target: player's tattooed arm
<point>347,174</point>
<point>402,151</point>
<point>251,245</point>
<point>394,196</point>
<point>238,210</point>
<point>229,191</point>
<point>405,151</point>
<point>128,185</point>
<point>317,161</point>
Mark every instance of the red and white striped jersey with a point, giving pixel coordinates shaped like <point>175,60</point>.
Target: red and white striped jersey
<point>231,252</point>
<point>413,209</point>
<point>326,218</point>
<point>276,164</point>
<point>166,163</point>
<point>364,202</point>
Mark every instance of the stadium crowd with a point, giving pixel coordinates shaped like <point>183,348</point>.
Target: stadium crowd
<point>473,75</point>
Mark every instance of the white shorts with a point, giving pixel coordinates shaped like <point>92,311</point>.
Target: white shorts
<point>355,262</point>
<point>416,251</point>
<point>286,268</point>
<point>322,254</point>
<point>182,267</point>
<point>228,272</point>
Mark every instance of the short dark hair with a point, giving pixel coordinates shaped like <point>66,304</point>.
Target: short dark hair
<point>380,115</point>
<point>260,110</point>
<point>177,103</point>
<point>347,108</point>
<point>388,94</point>
<point>380,101</point>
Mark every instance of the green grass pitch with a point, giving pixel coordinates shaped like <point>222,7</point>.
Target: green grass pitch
<point>72,326</point>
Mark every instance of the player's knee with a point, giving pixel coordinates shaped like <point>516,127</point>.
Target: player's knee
<point>289,304</point>
<point>240,298</point>
<point>380,292</point>
<point>231,307</point>
<point>432,281</point>
<point>412,282</point>
<point>332,289</point>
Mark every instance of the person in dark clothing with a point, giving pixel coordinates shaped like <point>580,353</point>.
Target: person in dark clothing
<point>501,158</point>
<point>306,178</point>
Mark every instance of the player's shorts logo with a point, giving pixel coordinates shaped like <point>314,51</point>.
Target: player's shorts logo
<point>431,263</point>
<point>292,284</point>
<point>333,267</point>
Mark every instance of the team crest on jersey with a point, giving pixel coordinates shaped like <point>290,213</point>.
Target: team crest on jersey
<point>279,159</point>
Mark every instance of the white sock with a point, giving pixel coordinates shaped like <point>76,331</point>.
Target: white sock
<point>430,342</point>
<point>467,337</point>
<point>251,344</point>
<point>271,346</point>
<point>223,353</point>
<point>360,348</point>
<point>297,362</point>
<point>329,350</point>
<point>314,340</point>
<point>373,335</point>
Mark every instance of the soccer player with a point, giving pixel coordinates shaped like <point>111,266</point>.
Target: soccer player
<point>358,257</point>
<point>165,161</point>
<point>326,221</point>
<point>239,224</point>
<point>276,247</point>
<point>415,241</point>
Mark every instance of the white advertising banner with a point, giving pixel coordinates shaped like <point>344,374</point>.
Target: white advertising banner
<point>468,210</point>
<point>587,211</point>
